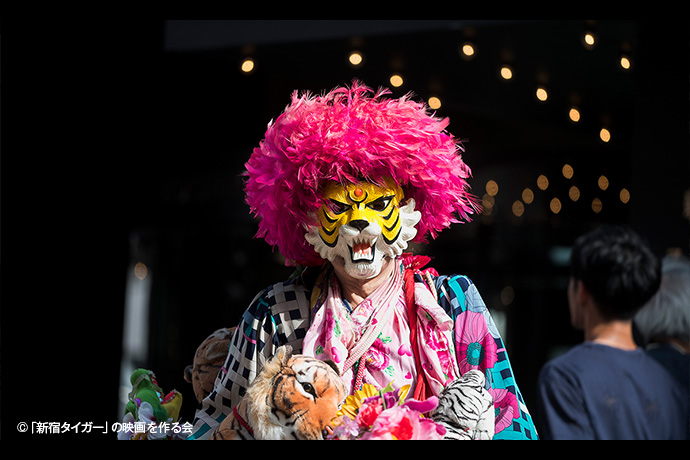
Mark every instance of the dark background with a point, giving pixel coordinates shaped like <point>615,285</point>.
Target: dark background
<point>124,142</point>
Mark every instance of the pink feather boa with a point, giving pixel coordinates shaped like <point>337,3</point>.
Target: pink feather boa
<point>347,135</point>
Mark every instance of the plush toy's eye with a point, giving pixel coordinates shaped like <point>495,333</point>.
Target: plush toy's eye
<point>309,388</point>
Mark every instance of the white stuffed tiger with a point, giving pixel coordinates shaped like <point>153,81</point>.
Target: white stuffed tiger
<point>465,408</point>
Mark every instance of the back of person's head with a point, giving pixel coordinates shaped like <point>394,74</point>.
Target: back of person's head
<point>667,314</point>
<point>618,269</point>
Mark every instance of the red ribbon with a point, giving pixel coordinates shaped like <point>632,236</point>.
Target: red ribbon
<point>242,421</point>
<point>422,390</point>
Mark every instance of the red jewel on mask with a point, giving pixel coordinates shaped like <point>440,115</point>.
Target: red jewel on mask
<point>358,192</point>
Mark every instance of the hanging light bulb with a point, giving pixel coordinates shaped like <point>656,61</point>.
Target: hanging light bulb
<point>467,50</point>
<point>518,208</point>
<point>396,80</point>
<point>355,58</point>
<point>603,182</point>
<point>596,205</point>
<point>527,195</point>
<point>247,65</point>
<point>555,205</point>
<point>590,37</point>
<point>605,135</point>
<point>567,171</point>
<point>492,187</point>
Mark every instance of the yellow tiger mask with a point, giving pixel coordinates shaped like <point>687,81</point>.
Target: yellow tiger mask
<point>293,397</point>
<point>362,223</point>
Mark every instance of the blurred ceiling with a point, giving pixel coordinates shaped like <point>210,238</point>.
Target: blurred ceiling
<point>195,35</point>
<point>502,121</point>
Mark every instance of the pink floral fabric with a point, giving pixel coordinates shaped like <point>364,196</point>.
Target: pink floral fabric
<point>476,345</point>
<point>448,346</point>
<point>335,330</point>
<point>507,407</point>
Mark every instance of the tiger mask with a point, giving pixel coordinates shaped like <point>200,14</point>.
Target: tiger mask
<point>363,223</point>
<point>293,397</point>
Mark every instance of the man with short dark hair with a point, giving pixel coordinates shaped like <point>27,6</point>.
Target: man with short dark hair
<point>607,387</point>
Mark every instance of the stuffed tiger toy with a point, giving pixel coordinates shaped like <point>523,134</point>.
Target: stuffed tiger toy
<point>465,408</point>
<point>293,397</point>
<point>208,359</point>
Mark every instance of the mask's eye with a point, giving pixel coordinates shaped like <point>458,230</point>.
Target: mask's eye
<point>380,204</point>
<point>337,207</point>
<point>309,388</point>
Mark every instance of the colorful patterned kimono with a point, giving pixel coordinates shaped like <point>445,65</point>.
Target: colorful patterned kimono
<point>455,333</point>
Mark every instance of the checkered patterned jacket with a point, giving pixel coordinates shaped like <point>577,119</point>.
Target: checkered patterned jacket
<point>279,315</point>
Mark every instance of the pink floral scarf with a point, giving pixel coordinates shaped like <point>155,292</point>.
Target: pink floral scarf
<point>379,330</point>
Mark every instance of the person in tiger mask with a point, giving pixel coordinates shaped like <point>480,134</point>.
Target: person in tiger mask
<point>341,183</point>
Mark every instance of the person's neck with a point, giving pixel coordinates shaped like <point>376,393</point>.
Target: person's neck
<point>355,290</point>
<point>616,334</point>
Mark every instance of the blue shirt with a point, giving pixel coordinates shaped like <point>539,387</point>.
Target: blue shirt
<point>599,392</point>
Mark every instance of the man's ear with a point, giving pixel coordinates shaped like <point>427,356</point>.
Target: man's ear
<point>582,294</point>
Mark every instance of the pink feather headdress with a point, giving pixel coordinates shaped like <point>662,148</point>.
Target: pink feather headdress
<point>346,135</point>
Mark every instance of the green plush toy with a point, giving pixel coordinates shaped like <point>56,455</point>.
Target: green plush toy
<point>148,406</point>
